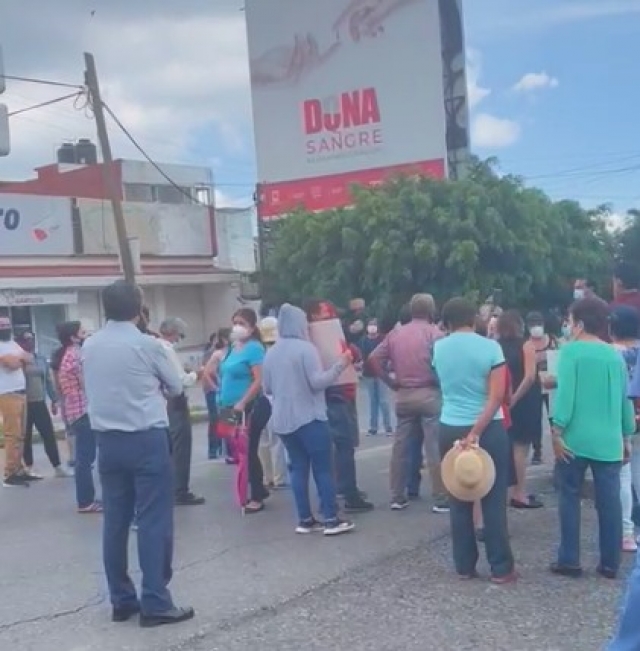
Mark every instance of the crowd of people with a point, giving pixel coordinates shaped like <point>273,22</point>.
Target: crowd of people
<point>471,390</point>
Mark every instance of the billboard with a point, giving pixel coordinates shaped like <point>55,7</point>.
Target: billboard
<point>35,225</point>
<point>344,92</point>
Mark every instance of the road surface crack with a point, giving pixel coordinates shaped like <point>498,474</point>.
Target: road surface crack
<point>92,603</point>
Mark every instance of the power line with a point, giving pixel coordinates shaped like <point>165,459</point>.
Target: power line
<point>45,82</point>
<point>578,171</point>
<point>155,165</point>
<point>43,104</point>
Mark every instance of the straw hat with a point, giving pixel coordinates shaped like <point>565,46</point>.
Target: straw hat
<point>468,474</point>
<point>269,329</point>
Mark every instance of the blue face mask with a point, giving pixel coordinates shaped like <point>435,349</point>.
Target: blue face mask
<point>566,331</point>
<point>578,294</point>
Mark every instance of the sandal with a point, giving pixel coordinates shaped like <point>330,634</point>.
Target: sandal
<point>512,577</point>
<point>532,503</point>
<point>94,507</point>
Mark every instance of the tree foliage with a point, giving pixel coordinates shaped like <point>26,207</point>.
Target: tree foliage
<point>444,237</point>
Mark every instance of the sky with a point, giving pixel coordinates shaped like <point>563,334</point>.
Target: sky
<point>554,95</point>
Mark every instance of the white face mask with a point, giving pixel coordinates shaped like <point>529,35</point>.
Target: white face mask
<point>578,294</point>
<point>537,332</point>
<point>239,333</point>
<point>372,329</point>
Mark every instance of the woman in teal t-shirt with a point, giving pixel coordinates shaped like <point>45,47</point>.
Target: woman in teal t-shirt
<point>592,415</point>
<point>240,390</point>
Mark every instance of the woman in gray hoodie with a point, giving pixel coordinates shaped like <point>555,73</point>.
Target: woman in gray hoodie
<point>293,377</point>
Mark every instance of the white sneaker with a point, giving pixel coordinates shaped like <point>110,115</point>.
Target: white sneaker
<point>337,527</point>
<point>61,473</point>
<point>399,505</point>
<point>309,526</point>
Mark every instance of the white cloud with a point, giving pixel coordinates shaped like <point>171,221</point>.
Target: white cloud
<point>223,200</point>
<point>169,73</point>
<point>533,81</point>
<point>616,221</point>
<point>475,91</point>
<point>491,132</point>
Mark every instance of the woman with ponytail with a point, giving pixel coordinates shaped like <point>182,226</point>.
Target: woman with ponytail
<point>240,375</point>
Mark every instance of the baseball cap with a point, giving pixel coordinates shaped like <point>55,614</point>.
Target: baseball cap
<point>269,329</point>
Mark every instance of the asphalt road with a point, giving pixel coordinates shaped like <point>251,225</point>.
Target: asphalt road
<point>254,584</point>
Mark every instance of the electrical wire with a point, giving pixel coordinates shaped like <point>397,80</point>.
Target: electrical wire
<point>155,165</point>
<point>43,104</point>
<point>45,82</point>
<point>578,171</point>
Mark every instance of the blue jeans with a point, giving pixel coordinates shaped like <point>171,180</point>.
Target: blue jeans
<point>309,448</point>
<point>85,453</point>
<point>628,634</point>
<point>606,480</point>
<point>136,470</point>
<point>341,426</point>
<point>494,506</point>
<point>378,403</point>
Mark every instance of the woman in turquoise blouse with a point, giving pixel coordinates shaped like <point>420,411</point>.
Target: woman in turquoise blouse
<point>240,388</point>
<point>592,416</point>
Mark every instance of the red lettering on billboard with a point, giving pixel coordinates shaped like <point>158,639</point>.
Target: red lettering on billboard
<point>345,124</point>
<point>351,109</point>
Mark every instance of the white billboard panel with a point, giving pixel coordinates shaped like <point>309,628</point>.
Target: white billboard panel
<point>342,87</point>
<point>35,225</point>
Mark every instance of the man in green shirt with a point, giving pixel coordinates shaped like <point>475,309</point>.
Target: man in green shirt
<point>592,415</point>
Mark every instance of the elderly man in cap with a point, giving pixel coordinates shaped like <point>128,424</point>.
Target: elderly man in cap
<point>173,330</point>
<point>12,404</point>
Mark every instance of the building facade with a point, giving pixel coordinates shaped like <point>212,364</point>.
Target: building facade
<point>58,248</point>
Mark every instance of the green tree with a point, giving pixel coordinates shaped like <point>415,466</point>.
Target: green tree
<point>628,240</point>
<point>445,237</point>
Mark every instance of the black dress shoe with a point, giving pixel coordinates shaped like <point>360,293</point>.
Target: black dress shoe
<point>189,499</point>
<point>606,572</point>
<point>566,570</point>
<point>173,616</point>
<point>124,613</point>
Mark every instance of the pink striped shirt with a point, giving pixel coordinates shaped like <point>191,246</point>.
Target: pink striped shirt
<point>407,351</point>
<point>74,399</point>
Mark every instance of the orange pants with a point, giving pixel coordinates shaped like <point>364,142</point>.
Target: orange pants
<point>12,410</point>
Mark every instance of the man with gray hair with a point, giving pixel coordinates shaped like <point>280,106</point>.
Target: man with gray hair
<point>407,352</point>
<point>173,330</point>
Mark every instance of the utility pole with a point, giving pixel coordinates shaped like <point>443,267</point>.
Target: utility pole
<point>5,140</point>
<point>262,249</point>
<point>91,80</point>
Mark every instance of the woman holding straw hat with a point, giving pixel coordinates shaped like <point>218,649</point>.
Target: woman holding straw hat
<point>473,441</point>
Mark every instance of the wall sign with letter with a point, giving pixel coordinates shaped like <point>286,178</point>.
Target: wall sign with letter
<point>33,225</point>
<point>11,298</point>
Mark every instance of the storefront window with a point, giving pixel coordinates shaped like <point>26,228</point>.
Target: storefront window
<point>45,322</point>
<point>21,319</point>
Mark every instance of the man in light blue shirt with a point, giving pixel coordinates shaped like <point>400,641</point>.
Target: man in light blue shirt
<point>127,375</point>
